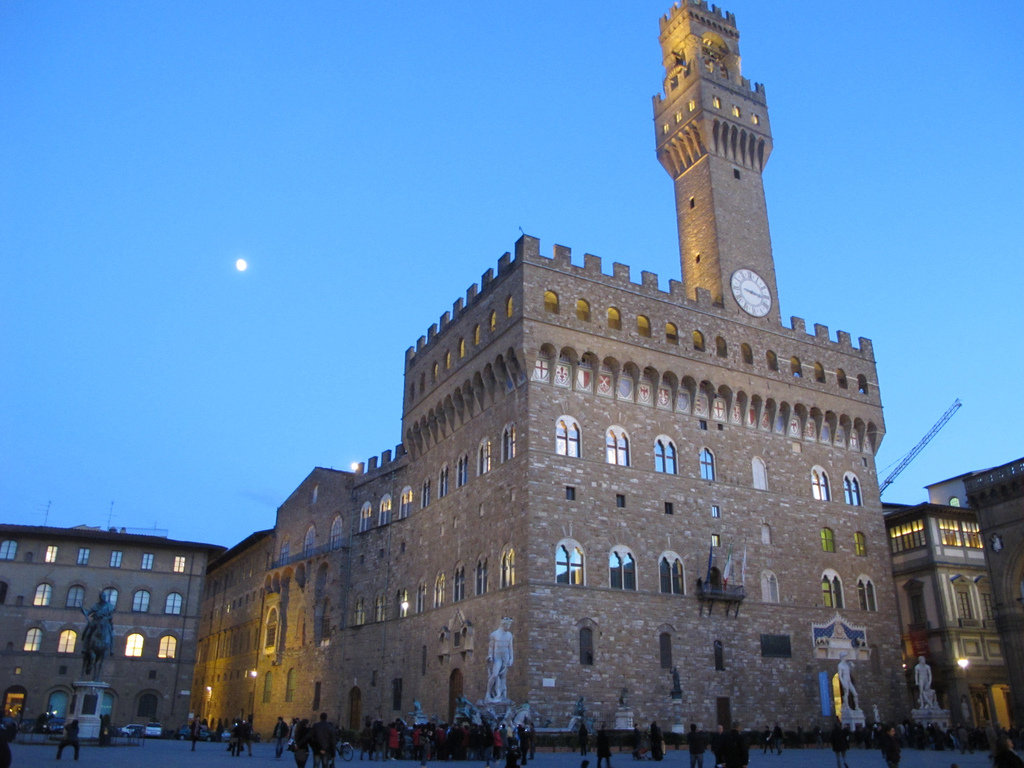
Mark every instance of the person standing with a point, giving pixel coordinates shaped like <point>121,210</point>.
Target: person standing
<point>69,738</point>
<point>840,743</point>
<point>321,742</point>
<point>195,731</point>
<point>584,739</point>
<point>301,743</point>
<point>604,747</point>
<point>637,741</point>
<point>1005,757</point>
<point>695,741</point>
<point>734,749</point>
<point>777,738</point>
<point>890,746</point>
<point>657,742</point>
<point>767,739</point>
<point>279,735</point>
<point>716,743</point>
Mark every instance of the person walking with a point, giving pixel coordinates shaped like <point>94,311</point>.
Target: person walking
<point>321,742</point>
<point>734,750</point>
<point>69,738</point>
<point>301,737</point>
<point>777,738</point>
<point>657,742</point>
<point>697,744</point>
<point>716,744</point>
<point>1005,757</point>
<point>604,747</point>
<point>584,739</point>
<point>890,746</point>
<point>840,742</point>
<point>280,736</point>
<point>195,731</point>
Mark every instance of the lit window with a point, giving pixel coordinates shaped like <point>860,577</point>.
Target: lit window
<point>551,302</point>
<point>707,464</point>
<point>569,564</point>
<point>447,360</point>
<point>643,326</point>
<point>33,639</point>
<point>476,334</point>
<point>404,507</point>
<point>366,517</point>
<point>360,618</point>
<point>508,568</point>
<point>179,564</point>
<point>691,105</point>
<point>484,458</point>
<point>384,511</point>
<point>851,490</point>
<point>439,590</point>
<point>831,590</point>
<point>828,540</point>
<point>860,546</point>
<point>819,485</point>
<point>755,119</point>
<point>664,456</point>
<point>133,645</point>
<point>140,601</point>
<point>698,341</point>
<point>493,322</point>
<point>716,540</point>
<point>172,605</point>
<point>51,554</point>
<point>735,111</point>
<point>168,648</point>
<point>66,643</point>
<point>972,534</point>
<point>582,311</point>
<point>508,307</point>
<point>567,438</point>
<point>671,333</point>
<point>716,102</point>
<point>270,637</point>
<point>664,128</point>
<point>614,319</point>
<point>83,555</point>
<point>617,447</point>
<point>43,594</point>
<point>508,443</point>
<point>621,570</point>
<point>115,558</point>
<point>402,603</point>
<point>462,348</point>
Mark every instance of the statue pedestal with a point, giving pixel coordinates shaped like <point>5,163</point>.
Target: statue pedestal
<point>677,714</point>
<point>623,719</point>
<point>931,715</point>
<point>853,718</point>
<point>85,707</point>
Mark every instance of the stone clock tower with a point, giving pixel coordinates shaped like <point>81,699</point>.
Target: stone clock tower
<point>714,139</point>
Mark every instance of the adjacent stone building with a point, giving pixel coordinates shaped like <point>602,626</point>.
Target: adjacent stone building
<point>48,575</point>
<point>640,478</point>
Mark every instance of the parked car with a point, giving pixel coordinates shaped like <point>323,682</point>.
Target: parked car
<point>153,731</point>
<point>185,732</point>
<point>54,725</point>
<point>134,729</point>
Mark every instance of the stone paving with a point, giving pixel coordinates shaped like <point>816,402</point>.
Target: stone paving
<point>157,753</point>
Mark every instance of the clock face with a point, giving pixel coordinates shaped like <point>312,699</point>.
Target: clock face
<point>751,292</point>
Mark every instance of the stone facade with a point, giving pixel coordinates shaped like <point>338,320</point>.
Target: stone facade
<point>731,434</point>
<point>47,575</point>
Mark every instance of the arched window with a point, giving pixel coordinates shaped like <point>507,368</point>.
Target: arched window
<point>614,319</point>
<point>582,311</point>
<point>483,465</point>
<point>462,471</point>
<point>421,598</point>
<point>462,348</point>
<point>621,569</point>
<point>401,603</point>
<point>569,564</point>
<point>828,540</point>
<point>551,302</point>
<point>33,640</point>
<point>508,568</point>
<point>862,384</point>
<point>476,334</point>
<point>617,446</point>
<point>360,612</point>
<point>76,597</point>
<point>672,334</point>
<point>425,494</point>
<point>866,594</point>
<point>309,542</point>
<point>567,437</point>
<point>44,592</point>
<point>851,489</point>
<point>337,533</point>
<point>841,378</point>
<point>168,647</point>
<point>440,585</point>
<point>366,517</point>
<point>508,442</point>
<point>670,573</point>
<point>286,550</point>
<point>268,686</point>
<point>481,576</point>
<point>643,326</point>
<point>147,708</point>
<point>831,590</point>
<point>380,608</point>
<point>698,341</point>
<point>8,550</point>
<point>442,482</point>
<point>384,510</point>
<point>447,360</point>
<point>459,584</point>
<point>766,533</point>
<point>133,645</point>
<point>492,323</point>
<point>747,354</point>
<point>665,650</point>
<point>819,373</point>
<point>860,545</point>
<point>434,372</point>
<point>290,684</point>
<point>769,587</point>
<point>110,595</point>
<point>140,601</point>
<point>270,636</point>
<point>795,368</point>
<point>172,605</point>
<point>509,307</point>
<point>760,472</point>
<point>664,456</point>
<point>707,464</point>
<point>67,640</point>
<point>820,488</point>
<point>772,360</point>
<point>721,348</point>
<point>586,646</point>
<point>404,505</point>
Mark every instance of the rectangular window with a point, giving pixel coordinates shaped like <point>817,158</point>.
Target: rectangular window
<point>907,536</point>
<point>147,561</point>
<point>83,555</point>
<point>716,540</point>
<point>972,535</point>
<point>917,611</point>
<point>570,493</point>
<point>669,509</point>
<point>716,511</point>
<point>316,696</point>
<point>115,558</point>
<point>719,656</point>
<point>179,564</point>
<point>396,694</point>
<point>620,501</point>
<point>949,533</point>
<point>986,606</point>
<point>423,661</point>
<point>665,650</point>
<point>963,605</point>
<point>51,554</point>
<point>702,425</point>
<point>776,646</point>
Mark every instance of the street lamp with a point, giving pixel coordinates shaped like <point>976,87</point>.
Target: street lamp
<point>963,664</point>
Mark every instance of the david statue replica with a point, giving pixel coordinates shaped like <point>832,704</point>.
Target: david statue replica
<point>499,658</point>
<point>98,637</point>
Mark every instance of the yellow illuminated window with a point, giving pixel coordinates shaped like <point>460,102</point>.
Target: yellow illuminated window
<point>692,105</point>
<point>716,102</point>
<point>735,111</point>
<point>133,645</point>
<point>755,119</point>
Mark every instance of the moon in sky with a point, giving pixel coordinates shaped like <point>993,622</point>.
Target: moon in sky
<point>241,266</point>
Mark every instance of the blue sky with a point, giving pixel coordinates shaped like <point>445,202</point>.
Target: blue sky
<point>370,161</point>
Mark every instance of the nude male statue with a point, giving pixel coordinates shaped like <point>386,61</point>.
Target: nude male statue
<point>500,656</point>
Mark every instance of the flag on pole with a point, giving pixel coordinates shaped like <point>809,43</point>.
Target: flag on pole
<point>743,572</point>
<point>711,557</point>
<point>728,567</point>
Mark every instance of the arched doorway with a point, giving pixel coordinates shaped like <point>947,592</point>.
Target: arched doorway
<point>14,701</point>
<point>355,709</point>
<point>57,705</point>
<point>715,578</point>
<point>454,692</point>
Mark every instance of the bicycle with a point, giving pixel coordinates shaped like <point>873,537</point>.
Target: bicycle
<point>346,751</point>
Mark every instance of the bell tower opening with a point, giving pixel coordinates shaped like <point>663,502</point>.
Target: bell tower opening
<point>713,138</point>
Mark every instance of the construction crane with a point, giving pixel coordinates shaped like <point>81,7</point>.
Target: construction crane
<point>905,461</point>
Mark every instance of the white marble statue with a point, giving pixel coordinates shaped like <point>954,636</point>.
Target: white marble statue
<point>845,671</point>
<point>923,680</point>
<point>874,710</point>
<point>500,656</point>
